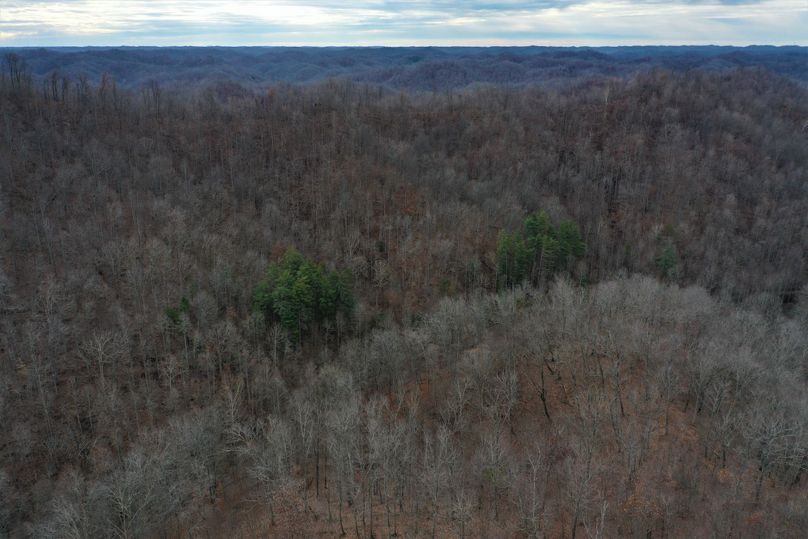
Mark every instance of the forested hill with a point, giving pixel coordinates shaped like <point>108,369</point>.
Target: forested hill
<point>413,68</point>
<point>329,310</point>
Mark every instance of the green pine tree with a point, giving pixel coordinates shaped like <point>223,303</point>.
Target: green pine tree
<point>299,293</point>
<point>666,262</point>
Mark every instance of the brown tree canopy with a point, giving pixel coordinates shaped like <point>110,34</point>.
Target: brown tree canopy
<point>142,391</point>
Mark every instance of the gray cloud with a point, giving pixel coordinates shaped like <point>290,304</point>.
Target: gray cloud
<point>402,22</point>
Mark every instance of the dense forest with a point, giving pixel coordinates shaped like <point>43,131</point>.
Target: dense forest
<point>345,310</point>
<point>411,68</point>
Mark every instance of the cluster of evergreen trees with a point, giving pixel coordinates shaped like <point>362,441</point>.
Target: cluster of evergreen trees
<point>537,252</point>
<point>300,293</point>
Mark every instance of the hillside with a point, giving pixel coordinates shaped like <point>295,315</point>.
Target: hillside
<point>331,309</point>
<point>410,68</point>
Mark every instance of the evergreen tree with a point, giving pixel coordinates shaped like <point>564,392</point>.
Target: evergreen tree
<point>666,262</point>
<point>570,244</point>
<point>300,293</point>
<point>513,259</point>
<point>538,252</point>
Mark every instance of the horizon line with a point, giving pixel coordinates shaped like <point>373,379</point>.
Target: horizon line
<point>431,46</point>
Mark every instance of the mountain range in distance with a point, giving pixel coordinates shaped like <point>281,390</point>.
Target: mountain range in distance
<point>405,68</point>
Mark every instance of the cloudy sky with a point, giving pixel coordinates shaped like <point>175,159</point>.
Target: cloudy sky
<point>402,22</point>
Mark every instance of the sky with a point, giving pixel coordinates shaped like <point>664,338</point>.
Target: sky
<point>402,22</point>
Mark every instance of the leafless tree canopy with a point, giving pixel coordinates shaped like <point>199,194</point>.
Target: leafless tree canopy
<point>654,386</point>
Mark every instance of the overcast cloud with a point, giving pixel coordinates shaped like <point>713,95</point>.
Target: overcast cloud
<point>401,22</point>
